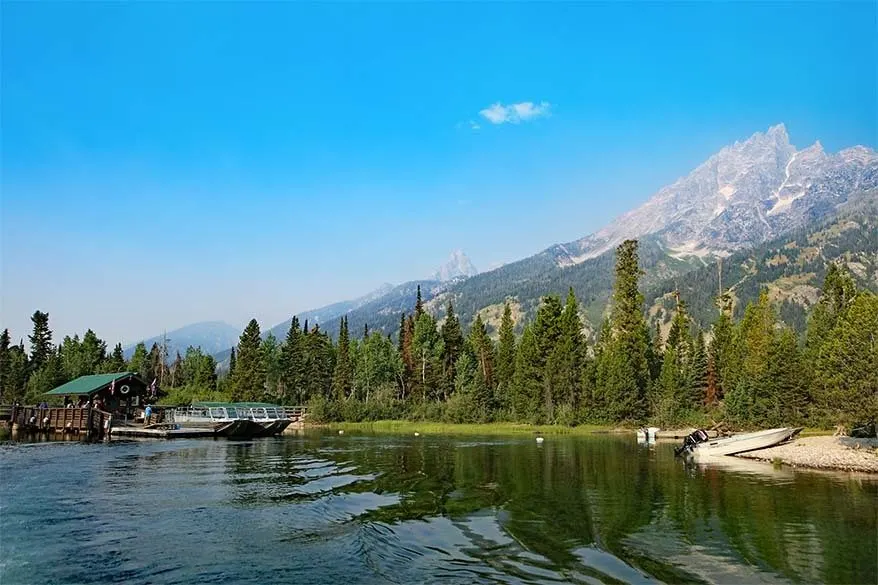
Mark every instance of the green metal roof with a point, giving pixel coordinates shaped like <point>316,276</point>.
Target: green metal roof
<point>235,405</point>
<point>91,384</point>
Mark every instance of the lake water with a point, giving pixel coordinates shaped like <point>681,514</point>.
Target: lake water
<point>324,508</point>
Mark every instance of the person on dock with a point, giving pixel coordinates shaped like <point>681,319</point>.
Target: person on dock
<point>66,401</point>
<point>147,415</point>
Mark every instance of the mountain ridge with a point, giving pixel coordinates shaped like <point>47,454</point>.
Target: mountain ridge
<point>746,194</point>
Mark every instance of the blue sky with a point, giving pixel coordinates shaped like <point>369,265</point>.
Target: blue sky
<point>168,162</point>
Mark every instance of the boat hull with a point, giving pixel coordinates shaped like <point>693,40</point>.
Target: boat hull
<point>744,443</point>
<point>239,429</point>
<point>274,427</point>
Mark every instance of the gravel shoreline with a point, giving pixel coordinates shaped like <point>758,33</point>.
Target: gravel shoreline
<point>838,453</point>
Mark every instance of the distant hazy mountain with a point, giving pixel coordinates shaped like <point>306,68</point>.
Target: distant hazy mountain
<point>210,336</point>
<point>320,316</point>
<point>457,266</point>
<point>329,312</point>
<point>744,195</point>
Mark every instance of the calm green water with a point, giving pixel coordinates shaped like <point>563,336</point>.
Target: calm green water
<point>320,508</point>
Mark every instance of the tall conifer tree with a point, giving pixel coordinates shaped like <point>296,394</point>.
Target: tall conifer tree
<point>4,364</point>
<point>342,377</point>
<point>40,340</point>
<point>292,364</point>
<point>248,383</point>
<point>623,373</point>
<point>483,349</point>
<point>505,359</point>
<point>419,305</point>
<point>453,345</point>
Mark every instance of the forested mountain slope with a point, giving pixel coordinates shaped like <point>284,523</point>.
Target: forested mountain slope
<point>792,267</point>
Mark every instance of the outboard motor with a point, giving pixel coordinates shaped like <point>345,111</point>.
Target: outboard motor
<point>691,441</point>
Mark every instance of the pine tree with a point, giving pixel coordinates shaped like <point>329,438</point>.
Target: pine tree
<point>837,294</point>
<point>505,369</point>
<point>406,336</point>
<point>678,335</point>
<point>720,353</point>
<point>4,364</point>
<point>271,363</point>
<point>783,394</point>
<point>319,363</point>
<point>94,352</point>
<point>623,372</point>
<point>453,345</point>
<point>674,388</point>
<point>178,376</point>
<point>40,340</point>
<point>698,377</point>
<point>44,379</point>
<point>527,386</point>
<point>117,360</point>
<point>845,379</point>
<point>749,362</point>
<point>18,373</point>
<point>292,365</point>
<point>140,361</point>
<point>342,377</point>
<point>483,350</point>
<point>427,349</point>
<point>377,366</point>
<point>248,381</point>
<point>657,352</point>
<point>233,362</point>
<point>564,365</point>
<point>419,305</point>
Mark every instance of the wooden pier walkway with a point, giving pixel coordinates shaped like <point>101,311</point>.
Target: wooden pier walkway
<point>89,421</point>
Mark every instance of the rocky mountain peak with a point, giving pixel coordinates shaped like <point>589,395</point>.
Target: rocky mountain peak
<point>458,265</point>
<point>745,194</point>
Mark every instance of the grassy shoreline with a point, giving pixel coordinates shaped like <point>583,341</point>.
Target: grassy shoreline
<point>438,428</point>
<point>499,428</point>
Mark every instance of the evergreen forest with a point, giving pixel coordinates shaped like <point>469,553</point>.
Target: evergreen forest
<point>746,367</point>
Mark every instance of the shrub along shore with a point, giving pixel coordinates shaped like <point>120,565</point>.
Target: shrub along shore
<point>499,428</point>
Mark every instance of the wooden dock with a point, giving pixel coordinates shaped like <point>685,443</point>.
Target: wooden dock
<point>88,421</point>
<point>94,424</point>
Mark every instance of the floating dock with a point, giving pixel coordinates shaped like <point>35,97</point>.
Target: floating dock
<point>159,433</point>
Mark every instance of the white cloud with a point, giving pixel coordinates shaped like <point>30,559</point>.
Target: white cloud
<point>474,125</point>
<point>515,113</point>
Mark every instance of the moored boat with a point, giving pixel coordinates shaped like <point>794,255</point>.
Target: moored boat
<point>647,434</point>
<point>224,423</point>
<point>270,419</point>
<point>698,444</point>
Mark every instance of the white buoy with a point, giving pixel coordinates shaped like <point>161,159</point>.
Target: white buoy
<point>539,439</point>
<point>341,432</point>
<point>417,434</point>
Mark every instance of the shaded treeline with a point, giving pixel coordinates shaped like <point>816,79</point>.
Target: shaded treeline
<point>748,371</point>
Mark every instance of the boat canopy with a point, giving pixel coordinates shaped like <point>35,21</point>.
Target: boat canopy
<point>235,405</point>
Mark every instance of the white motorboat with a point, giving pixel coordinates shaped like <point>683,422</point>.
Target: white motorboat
<point>698,445</point>
<point>647,434</point>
